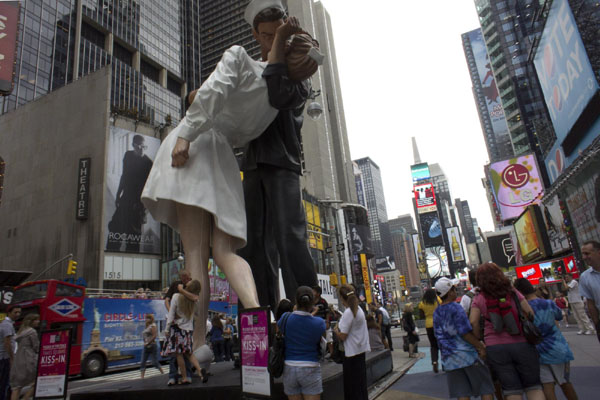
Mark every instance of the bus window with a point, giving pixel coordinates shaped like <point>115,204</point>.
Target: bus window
<point>31,292</point>
<point>68,291</point>
<point>72,326</point>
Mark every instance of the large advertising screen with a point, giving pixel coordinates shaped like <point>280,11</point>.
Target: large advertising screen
<point>130,228</point>
<point>516,184</point>
<point>555,226</point>
<point>456,250</point>
<point>420,172</point>
<point>502,250</point>
<point>385,264</point>
<point>564,70</point>
<point>552,271</point>
<point>432,229</point>
<point>530,235</point>
<point>425,198</point>
<point>9,24</point>
<point>488,84</point>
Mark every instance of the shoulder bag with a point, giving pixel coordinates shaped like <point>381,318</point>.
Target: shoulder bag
<point>277,350</point>
<point>530,331</point>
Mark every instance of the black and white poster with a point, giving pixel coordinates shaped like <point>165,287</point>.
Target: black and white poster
<point>502,250</point>
<point>129,226</point>
<point>555,226</point>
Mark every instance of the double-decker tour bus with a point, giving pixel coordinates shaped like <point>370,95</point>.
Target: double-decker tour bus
<point>106,327</point>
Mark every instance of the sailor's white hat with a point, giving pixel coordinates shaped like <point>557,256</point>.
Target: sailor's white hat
<point>257,6</point>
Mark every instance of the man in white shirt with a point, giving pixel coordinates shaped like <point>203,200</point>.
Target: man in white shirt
<point>7,349</point>
<point>589,282</point>
<point>584,323</point>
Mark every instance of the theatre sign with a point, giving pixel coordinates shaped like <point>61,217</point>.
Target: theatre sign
<point>9,23</point>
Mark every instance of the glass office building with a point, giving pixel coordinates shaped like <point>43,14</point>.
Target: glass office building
<point>60,41</point>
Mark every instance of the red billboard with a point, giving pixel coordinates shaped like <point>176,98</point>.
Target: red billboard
<point>9,24</point>
<point>552,270</point>
<point>425,197</point>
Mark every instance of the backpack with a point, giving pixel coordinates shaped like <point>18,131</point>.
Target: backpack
<point>503,315</point>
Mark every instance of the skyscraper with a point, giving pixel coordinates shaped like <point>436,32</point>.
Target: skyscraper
<point>403,248</point>
<point>63,40</point>
<point>375,203</point>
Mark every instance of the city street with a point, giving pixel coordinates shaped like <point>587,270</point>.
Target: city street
<point>420,383</point>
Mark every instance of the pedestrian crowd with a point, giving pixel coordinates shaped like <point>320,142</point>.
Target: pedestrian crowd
<point>503,338</point>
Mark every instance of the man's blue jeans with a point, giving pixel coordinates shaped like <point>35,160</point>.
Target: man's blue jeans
<point>173,373</point>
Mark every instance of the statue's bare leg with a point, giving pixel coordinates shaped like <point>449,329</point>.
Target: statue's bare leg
<point>236,269</point>
<point>194,227</point>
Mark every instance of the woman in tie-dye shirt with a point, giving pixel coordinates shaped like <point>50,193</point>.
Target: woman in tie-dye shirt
<point>555,354</point>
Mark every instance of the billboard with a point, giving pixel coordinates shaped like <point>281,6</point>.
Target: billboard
<point>417,247</point>
<point>420,172</point>
<point>456,250</point>
<point>583,202</point>
<point>531,235</point>
<point>502,250</point>
<point>432,229</point>
<point>130,228</point>
<point>551,271</point>
<point>566,76</point>
<point>313,221</point>
<point>488,84</point>
<point>385,264</point>
<point>555,226</point>
<point>425,198</point>
<point>360,238</point>
<point>9,25</point>
<point>516,184</point>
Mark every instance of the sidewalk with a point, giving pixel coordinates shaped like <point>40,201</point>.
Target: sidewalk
<point>420,383</point>
<point>402,364</point>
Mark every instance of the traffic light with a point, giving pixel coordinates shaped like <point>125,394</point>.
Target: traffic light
<point>72,268</point>
<point>402,281</point>
<point>333,279</point>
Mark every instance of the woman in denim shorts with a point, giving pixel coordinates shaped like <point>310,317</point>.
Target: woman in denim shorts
<point>513,360</point>
<point>303,333</point>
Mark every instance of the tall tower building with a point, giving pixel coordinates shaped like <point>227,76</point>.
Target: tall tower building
<point>64,40</point>
<point>404,251</point>
<point>375,203</point>
<point>487,98</point>
<point>466,221</point>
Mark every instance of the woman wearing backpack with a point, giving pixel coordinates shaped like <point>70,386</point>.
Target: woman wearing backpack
<point>513,360</point>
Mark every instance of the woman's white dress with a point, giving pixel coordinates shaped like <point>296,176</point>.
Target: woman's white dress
<point>230,109</point>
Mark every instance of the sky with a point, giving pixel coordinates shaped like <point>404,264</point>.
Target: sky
<point>403,73</point>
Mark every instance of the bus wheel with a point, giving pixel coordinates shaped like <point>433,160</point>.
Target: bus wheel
<point>93,366</point>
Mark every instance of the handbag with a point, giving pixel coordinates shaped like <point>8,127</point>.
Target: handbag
<point>339,352</point>
<point>277,350</point>
<point>530,331</point>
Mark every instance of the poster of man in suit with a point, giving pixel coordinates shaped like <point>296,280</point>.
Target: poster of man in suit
<point>130,228</point>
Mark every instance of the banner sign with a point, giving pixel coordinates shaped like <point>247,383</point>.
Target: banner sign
<point>555,226</point>
<point>328,290</point>
<point>53,364</point>
<point>516,184</point>
<point>6,296</point>
<point>365,275</point>
<point>489,90</point>
<point>9,25</point>
<point>83,188</point>
<point>254,351</point>
<point>425,198</point>
<point>130,228</point>
<point>455,244</point>
<point>564,70</point>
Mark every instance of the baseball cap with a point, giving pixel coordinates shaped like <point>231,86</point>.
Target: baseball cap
<point>443,285</point>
